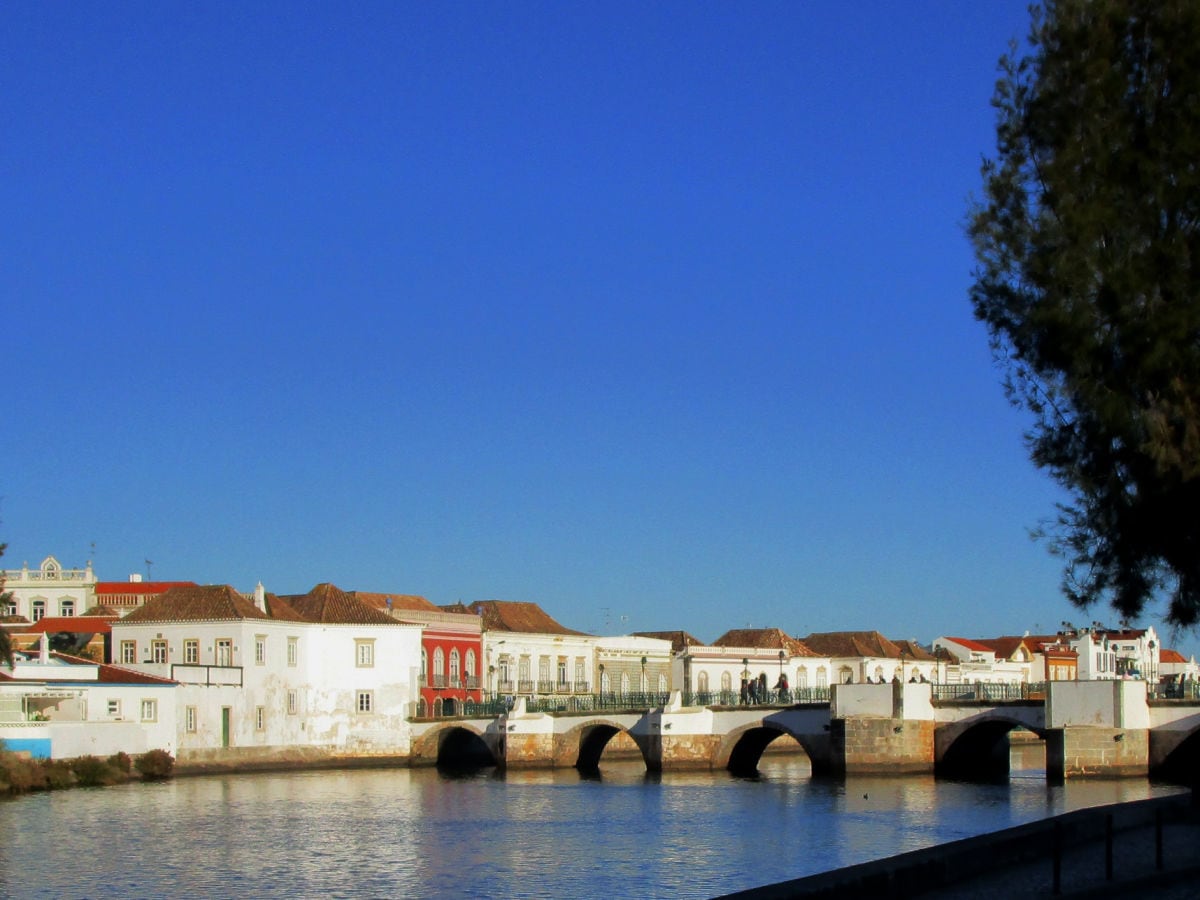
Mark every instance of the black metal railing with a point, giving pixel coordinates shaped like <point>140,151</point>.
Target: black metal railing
<point>787,697</point>
<point>1176,690</point>
<point>989,692</point>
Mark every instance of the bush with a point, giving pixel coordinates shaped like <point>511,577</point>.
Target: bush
<point>155,764</point>
<point>58,774</point>
<point>121,762</point>
<point>19,774</point>
<point>90,771</point>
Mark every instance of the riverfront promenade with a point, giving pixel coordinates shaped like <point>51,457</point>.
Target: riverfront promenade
<point>1148,845</point>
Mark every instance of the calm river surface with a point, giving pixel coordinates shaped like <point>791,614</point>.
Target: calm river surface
<point>418,833</point>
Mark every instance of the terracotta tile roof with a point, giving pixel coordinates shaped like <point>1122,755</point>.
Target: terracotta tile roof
<point>517,616</point>
<point>110,674</point>
<point>387,602</point>
<point>764,639</point>
<point>679,639</point>
<point>1170,656</point>
<point>1005,647</point>
<point>459,608</point>
<point>278,608</point>
<point>207,603</point>
<point>105,673</point>
<point>851,644</point>
<point>914,651</point>
<point>328,604</point>
<point>139,587</point>
<point>72,625</point>
<point>971,645</point>
<point>102,611</point>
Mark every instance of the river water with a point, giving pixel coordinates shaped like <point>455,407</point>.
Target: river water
<point>421,833</point>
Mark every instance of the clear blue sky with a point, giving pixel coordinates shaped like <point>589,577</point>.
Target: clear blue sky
<point>653,314</point>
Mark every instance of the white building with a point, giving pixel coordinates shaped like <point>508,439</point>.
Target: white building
<point>54,706</point>
<point>261,678</point>
<point>975,662</point>
<point>49,590</point>
<point>528,654</point>
<point>715,672</point>
<point>858,657</point>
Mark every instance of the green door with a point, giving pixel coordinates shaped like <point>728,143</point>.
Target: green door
<point>225,711</point>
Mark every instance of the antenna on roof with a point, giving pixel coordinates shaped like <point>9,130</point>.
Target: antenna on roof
<point>148,565</point>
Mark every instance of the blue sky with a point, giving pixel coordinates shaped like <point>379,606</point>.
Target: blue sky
<point>653,314</point>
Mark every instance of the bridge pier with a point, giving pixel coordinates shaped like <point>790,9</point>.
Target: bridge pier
<point>1091,750</point>
<point>882,746</point>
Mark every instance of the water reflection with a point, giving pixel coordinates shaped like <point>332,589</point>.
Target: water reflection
<point>421,833</point>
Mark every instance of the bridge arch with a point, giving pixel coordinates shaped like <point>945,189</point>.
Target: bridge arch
<point>740,750</point>
<point>583,745</point>
<point>455,745</point>
<point>976,749</point>
<point>1178,756</point>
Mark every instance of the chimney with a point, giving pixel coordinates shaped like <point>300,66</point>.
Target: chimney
<point>260,597</point>
<point>44,654</point>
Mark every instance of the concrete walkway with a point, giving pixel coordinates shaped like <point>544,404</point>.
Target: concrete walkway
<point>1020,862</point>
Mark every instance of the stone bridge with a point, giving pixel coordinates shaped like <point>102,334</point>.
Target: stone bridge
<point>1101,728</point>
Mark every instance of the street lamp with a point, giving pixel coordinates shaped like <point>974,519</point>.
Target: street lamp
<point>645,686</point>
<point>780,682</point>
<point>600,686</point>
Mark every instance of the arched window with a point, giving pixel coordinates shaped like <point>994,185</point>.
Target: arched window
<point>702,682</point>
<point>726,681</point>
<point>662,683</point>
<point>424,666</point>
<point>605,683</point>
<point>624,682</point>
<point>454,673</point>
<point>437,707</point>
<point>846,675</point>
<point>822,677</point>
<point>422,708</point>
<point>439,662</point>
<point>66,607</point>
<point>469,669</point>
<point>801,677</point>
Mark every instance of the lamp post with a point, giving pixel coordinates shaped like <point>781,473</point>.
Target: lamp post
<point>645,686</point>
<point>600,686</point>
<point>780,682</point>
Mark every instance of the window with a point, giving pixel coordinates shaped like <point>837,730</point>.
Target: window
<point>189,719</point>
<point>365,701</point>
<point>439,662</point>
<point>364,653</point>
<point>293,651</point>
<point>260,650</point>
<point>822,677</point>
<point>454,667</point>
<point>158,651</point>
<point>149,710</point>
<point>662,683</point>
<point>114,709</point>
<point>523,669</point>
<point>469,669</point>
<point>224,651</point>
<point>580,677</point>
<point>624,682</point>
<point>293,703</point>
<point>10,608</point>
<point>191,651</point>
<point>702,682</point>
<point>66,608</point>
<point>562,670</point>
<point>128,652</point>
<point>39,610</point>
<point>260,718</point>
<point>801,678</point>
<point>726,681</point>
<point>544,669</point>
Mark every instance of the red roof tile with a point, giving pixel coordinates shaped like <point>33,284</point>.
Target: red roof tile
<point>847,644</point>
<point>679,639</point>
<point>139,587</point>
<point>516,616</point>
<point>764,639</point>
<point>387,602</point>
<point>208,603</point>
<point>330,605</point>
<point>1170,656</point>
<point>72,625</point>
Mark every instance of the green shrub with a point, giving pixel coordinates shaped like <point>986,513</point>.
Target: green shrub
<point>19,774</point>
<point>58,774</point>
<point>91,771</point>
<point>155,764</point>
<point>121,762</point>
